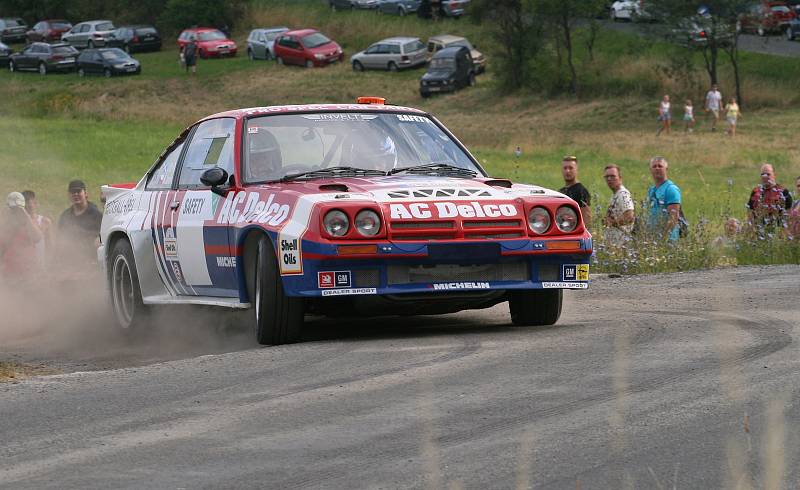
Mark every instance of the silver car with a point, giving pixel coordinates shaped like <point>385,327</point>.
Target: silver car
<point>261,42</point>
<point>391,54</point>
<point>398,7</point>
<point>89,34</point>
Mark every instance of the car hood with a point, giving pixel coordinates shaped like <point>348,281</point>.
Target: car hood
<point>326,48</point>
<point>216,42</point>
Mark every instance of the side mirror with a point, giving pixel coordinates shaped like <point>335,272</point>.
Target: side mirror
<point>214,178</point>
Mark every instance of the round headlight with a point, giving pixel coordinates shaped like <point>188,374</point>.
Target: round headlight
<point>336,223</point>
<point>539,220</point>
<point>368,223</point>
<point>566,219</point>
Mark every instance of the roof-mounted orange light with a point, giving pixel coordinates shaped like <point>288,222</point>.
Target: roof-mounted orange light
<point>371,100</point>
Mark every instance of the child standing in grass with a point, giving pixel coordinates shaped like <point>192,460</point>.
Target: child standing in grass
<point>733,113</point>
<point>664,115</point>
<point>688,116</point>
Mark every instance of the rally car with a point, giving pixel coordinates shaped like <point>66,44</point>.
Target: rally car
<point>335,209</point>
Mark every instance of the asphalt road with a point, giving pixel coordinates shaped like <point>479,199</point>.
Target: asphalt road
<point>775,44</point>
<point>678,381</point>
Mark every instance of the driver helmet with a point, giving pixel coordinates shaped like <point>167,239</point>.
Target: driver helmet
<point>374,150</point>
<point>265,155</point>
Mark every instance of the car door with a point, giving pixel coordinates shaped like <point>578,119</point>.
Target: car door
<point>262,51</point>
<point>369,56</point>
<point>202,248</point>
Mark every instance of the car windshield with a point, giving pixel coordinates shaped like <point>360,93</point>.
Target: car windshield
<point>211,36</point>
<point>113,54</point>
<point>60,24</point>
<point>413,46</point>
<point>105,26</point>
<point>781,9</point>
<point>283,145</point>
<point>314,40</point>
<point>145,31</point>
<point>442,64</point>
<point>462,42</point>
<point>64,50</point>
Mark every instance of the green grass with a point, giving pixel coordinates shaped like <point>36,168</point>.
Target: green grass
<point>60,127</point>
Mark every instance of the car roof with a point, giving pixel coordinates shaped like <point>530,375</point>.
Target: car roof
<point>95,22</point>
<point>302,32</point>
<point>299,109</point>
<point>398,40</point>
<point>446,38</point>
<point>63,21</point>
<point>201,29</point>
<point>449,52</point>
<point>136,26</point>
<point>271,29</point>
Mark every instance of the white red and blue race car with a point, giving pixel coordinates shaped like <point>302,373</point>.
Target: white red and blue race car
<point>345,210</point>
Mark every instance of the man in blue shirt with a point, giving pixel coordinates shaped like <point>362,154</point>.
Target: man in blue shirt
<point>664,202</point>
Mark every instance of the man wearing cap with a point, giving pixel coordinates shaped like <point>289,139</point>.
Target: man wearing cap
<point>18,238</point>
<point>574,189</point>
<point>79,225</point>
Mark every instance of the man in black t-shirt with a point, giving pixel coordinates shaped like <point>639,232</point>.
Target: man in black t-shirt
<point>79,227</point>
<point>574,189</point>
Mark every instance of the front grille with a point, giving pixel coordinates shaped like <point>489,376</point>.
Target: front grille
<point>549,272</point>
<point>425,274</point>
<point>422,237</point>
<point>366,278</point>
<point>510,223</point>
<point>494,235</point>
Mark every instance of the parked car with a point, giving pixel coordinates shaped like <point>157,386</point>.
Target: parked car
<point>90,34</point>
<point>48,31</point>
<point>135,38</point>
<point>306,47</point>
<point>630,10</point>
<point>450,69</point>
<point>447,8</point>
<point>211,43</point>
<point>44,58</point>
<point>334,209</point>
<point>766,17</point>
<point>261,42</point>
<point>391,54</point>
<point>793,29</point>
<point>5,53</point>
<point>107,62</point>
<point>398,7</point>
<point>13,30</point>
<point>353,4</point>
<point>699,29</point>
<point>436,43</point>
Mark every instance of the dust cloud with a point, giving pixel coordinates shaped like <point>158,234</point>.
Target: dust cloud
<point>66,323</point>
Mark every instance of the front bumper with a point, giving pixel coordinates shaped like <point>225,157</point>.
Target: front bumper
<point>435,268</point>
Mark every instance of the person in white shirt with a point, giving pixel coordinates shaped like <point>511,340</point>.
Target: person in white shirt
<point>688,116</point>
<point>664,115</point>
<point>714,105</point>
<point>621,214</point>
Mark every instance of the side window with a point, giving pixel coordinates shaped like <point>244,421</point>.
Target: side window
<point>86,28</point>
<point>162,177</point>
<point>211,146</point>
<point>394,49</point>
<point>39,27</point>
<point>373,49</point>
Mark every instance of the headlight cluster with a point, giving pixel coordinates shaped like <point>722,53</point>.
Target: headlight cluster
<point>539,220</point>
<point>319,56</point>
<point>337,224</point>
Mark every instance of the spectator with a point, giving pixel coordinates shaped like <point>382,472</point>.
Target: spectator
<point>18,238</point>
<point>620,214</point>
<point>794,214</point>
<point>518,152</point>
<point>664,200</point>
<point>189,54</point>
<point>732,113</point>
<point>79,226</point>
<point>45,224</point>
<point>688,116</point>
<point>732,229</point>
<point>769,203</point>
<point>714,105</point>
<point>664,116</point>
<point>574,189</point>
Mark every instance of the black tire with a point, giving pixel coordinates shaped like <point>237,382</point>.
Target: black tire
<point>107,73</point>
<point>393,67</point>
<point>535,307</point>
<point>357,66</point>
<point>42,69</point>
<point>278,318</point>
<point>123,285</point>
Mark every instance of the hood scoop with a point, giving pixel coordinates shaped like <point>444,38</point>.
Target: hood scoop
<point>333,188</point>
<point>505,183</point>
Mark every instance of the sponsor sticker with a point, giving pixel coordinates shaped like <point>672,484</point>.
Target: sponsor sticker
<point>348,292</point>
<point>226,261</point>
<point>324,117</point>
<point>444,210</point>
<point>565,285</point>
<point>252,130</point>
<point>410,118</point>
<point>170,244</point>
<point>448,286</point>
<point>334,279</point>
<point>575,272</point>
<point>290,255</point>
<point>252,207</point>
<point>122,205</point>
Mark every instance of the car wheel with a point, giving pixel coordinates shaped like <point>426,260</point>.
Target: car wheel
<point>81,73</point>
<point>357,66</point>
<point>309,64</point>
<point>393,66</point>
<point>761,32</point>
<point>471,79</point>
<point>42,69</point>
<point>107,73</point>
<point>535,307</point>
<point>250,55</point>
<point>90,44</point>
<point>123,281</point>
<point>278,318</point>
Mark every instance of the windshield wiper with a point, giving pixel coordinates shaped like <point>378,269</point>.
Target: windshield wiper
<point>439,169</point>
<point>333,172</point>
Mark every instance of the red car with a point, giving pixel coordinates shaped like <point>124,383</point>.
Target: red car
<point>306,47</point>
<point>766,17</point>
<point>48,31</point>
<point>211,43</point>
